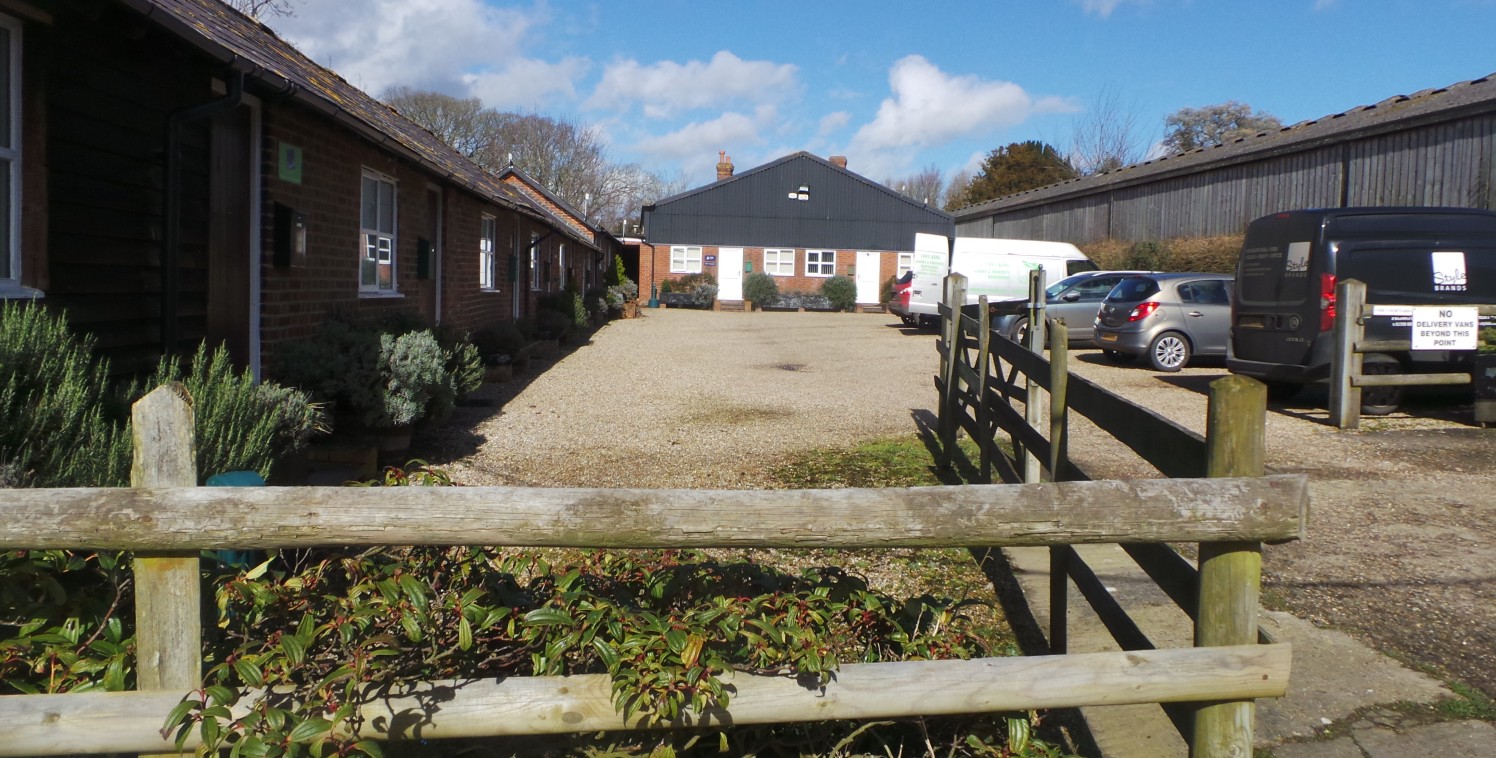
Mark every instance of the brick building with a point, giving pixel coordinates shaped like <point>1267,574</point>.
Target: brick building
<point>801,219</point>
<point>185,175</point>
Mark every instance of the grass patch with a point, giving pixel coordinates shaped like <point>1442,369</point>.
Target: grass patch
<point>1471,704</point>
<point>895,462</point>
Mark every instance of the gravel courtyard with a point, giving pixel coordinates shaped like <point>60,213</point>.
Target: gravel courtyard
<point>1401,549</point>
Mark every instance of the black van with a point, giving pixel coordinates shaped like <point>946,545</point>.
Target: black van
<point>1283,309</point>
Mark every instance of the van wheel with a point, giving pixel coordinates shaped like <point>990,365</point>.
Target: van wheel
<point>1019,332</point>
<point>1169,351</point>
<point>1380,401</point>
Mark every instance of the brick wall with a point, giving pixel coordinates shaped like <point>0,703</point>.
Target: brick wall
<point>654,267</point>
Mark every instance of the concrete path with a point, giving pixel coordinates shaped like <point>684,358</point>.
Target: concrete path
<point>1337,693</point>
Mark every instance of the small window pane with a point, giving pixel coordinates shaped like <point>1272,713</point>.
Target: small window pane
<point>5,93</point>
<point>386,207</point>
<point>369,217</point>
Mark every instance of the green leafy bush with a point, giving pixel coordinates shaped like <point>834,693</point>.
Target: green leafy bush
<point>761,289</point>
<point>841,291</point>
<point>240,425</point>
<point>61,424</point>
<point>381,373</point>
<point>503,338</point>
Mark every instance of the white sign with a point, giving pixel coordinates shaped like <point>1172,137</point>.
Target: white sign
<point>1445,328</point>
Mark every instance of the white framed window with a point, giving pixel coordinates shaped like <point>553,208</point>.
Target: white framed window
<point>10,159</point>
<point>906,262</point>
<point>535,279</point>
<point>376,272</point>
<point>820,262</point>
<point>685,259</point>
<point>488,240</point>
<point>779,262</point>
<point>561,266</point>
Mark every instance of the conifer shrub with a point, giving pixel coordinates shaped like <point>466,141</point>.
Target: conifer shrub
<point>761,289</point>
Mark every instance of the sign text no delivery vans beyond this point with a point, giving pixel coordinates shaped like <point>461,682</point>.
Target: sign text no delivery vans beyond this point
<point>1445,328</point>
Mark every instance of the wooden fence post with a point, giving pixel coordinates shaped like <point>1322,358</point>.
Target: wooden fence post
<point>168,598</point>
<point>984,415</point>
<point>1033,411</point>
<point>954,295</point>
<point>1350,330</point>
<point>1059,457</point>
<point>1230,572</point>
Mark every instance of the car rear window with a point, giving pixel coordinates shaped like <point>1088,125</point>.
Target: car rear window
<point>1131,290</point>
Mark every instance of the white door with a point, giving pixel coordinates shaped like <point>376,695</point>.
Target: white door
<point>730,273</point>
<point>867,277</point>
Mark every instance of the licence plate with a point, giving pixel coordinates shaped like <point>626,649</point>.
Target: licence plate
<point>1104,337</point>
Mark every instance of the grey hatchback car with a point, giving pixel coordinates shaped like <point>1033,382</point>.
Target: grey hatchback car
<point>1167,318</point>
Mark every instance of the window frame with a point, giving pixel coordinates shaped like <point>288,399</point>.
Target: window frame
<point>685,259</point>
<point>390,236</point>
<point>488,253</point>
<point>904,265</point>
<point>778,252</point>
<point>11,253</point>
<point>815,259</point>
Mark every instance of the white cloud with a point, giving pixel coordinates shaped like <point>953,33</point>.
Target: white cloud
<point>833,121</point>
<point>706,138</point>
<point>931,107</point>
<point>460,47</point>
<point>666,88</point>
<point>1104,8</point>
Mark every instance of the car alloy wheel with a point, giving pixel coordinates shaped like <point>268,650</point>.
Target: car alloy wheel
<point>1169,351</point>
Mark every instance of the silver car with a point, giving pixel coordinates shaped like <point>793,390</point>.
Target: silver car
<point>1073,301</point>
<point>1167,318</point>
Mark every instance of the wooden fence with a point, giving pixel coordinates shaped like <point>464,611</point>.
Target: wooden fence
<point>1347,364</point>
<point>167,521</point>
<point>984,375</point>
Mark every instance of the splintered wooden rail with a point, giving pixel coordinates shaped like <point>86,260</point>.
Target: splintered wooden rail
<point>167,521</point>
<point>983,375</point>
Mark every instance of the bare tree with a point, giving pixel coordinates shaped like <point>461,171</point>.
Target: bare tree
<point>462,123</point>
<point>1191,128</point>
<point>1106,136</point>
<point>955,191</point>
<point>257,9</point>
<point>924,186</point>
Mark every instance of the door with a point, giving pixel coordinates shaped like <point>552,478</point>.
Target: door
<point>430,246</point>
<point>869,274</point>
<point>730,273</point>
<point>233,277</point>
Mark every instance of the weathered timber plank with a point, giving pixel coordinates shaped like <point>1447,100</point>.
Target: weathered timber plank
<point>1172,449</point>
<point>129,721</point>
<point>1152,510</point>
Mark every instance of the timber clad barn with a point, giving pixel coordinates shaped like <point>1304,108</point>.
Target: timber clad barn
<point>1436,147</point>
<point>800,219</point>
<point>185,175</point>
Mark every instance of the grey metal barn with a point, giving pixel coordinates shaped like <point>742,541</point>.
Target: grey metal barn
<point>1436,147</point>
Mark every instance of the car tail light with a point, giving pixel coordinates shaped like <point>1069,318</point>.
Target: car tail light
<point>1142,311</point>
<point>1326,302</point>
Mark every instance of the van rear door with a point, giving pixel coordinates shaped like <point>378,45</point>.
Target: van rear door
<point>1276,308</point>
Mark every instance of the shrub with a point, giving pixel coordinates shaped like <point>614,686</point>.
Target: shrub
<point>1212,254</point>
<point>552,325</point>
<point>623,292</point>
<point>1148,256</point>
<point>885,295</point>
<point>61,425</point>
<point>693,282</point>
<point>239,425</point>
<point>761,289</point>
<point>841,291</point>
<point>382,379</point>
<point>503,338</point>
<point>704,294</point>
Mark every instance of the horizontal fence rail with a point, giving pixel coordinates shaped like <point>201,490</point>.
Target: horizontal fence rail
<point>1265,508</point>
<point>120,721</point>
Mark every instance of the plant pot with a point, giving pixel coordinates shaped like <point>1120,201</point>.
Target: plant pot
<point>630,309</point>
<point>1483,376</point>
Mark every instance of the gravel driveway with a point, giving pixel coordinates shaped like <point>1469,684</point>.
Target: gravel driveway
<point>1401,549</point>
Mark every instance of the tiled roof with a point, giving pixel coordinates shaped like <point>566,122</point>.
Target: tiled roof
<point>1429,105</point>
<point>548,202</point>
<point>246,45</point>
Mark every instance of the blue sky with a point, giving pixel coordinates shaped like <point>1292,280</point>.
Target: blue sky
<point>893,86</point>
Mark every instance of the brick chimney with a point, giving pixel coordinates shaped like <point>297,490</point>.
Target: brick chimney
<point>724,165</point>
<point>839,161</point>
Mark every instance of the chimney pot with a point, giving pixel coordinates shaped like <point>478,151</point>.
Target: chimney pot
<point>724,165</point>
<point>840,161</point>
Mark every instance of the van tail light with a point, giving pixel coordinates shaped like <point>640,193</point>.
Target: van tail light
<point>1142,311</point>
<point>1326,302</point>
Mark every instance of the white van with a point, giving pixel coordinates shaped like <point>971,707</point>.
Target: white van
<point>997,268</point>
